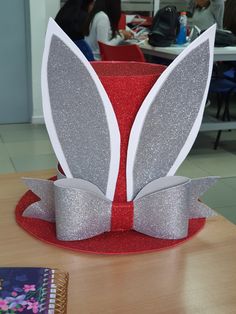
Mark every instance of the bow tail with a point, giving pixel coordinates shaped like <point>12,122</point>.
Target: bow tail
<point>198,187</point>
<point>43,209</point>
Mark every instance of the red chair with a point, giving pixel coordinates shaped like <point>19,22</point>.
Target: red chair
<point>121,53</point>
<point>122,21</point>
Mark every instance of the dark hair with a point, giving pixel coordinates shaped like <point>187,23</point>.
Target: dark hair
<point>72,17</point>
<point>200,7</point>
<point>113,10</point>
<point>230,16</point>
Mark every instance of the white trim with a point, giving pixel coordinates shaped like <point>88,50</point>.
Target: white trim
<point>51,30</point>
<point>54,29</point>
<point>142,113</point>
<point>207,35</point>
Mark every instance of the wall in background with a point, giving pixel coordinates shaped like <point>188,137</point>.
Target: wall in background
<point>15,75</point>
<point>40,11</point>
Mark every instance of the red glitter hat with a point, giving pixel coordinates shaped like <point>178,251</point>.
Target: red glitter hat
<point>120,130</point>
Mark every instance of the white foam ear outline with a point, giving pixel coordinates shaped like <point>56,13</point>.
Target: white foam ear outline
<point>141,115</point>
<point>54,29</point>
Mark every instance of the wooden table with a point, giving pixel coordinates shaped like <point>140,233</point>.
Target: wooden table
<point>196,277</point>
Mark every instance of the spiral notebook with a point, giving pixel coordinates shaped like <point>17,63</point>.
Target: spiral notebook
<point>33,290</point>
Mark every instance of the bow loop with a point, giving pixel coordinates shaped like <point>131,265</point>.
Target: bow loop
<point>44,209</point>
<point>163,214</point>
<point>80,214</point>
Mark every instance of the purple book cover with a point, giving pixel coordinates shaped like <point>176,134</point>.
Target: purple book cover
<point>24,290</point>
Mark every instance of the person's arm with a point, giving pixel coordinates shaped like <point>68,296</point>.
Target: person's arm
<point>217,10</point>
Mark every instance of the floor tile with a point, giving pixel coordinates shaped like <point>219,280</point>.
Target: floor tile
<point>187,169</point>
<point>219,195</point>
<point>5,128</point>
<point>229,147</point>
<point>228,141</point>
<point>30,163</point>
<point>3,152</point>
<point>228,212</point>
<point>228,136</point>
<point>220,165</point>
<point>6,166</point>
<point>29,148</point>
<point>232,183</point>
<point>206,151</point>
<point>205,140</point>
<point>34,133</point>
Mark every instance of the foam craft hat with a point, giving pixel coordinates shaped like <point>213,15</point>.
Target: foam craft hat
<point>119,193</point>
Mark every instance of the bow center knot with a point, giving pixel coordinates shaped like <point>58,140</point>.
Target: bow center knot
<point>122,217</point>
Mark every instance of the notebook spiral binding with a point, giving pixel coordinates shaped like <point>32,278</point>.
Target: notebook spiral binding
<point>54,292</point>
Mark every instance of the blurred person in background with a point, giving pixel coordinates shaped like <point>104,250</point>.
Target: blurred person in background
<point>102,25</point>
<point>208,12</point>
<point>72,18</point>
<point>230,16</point>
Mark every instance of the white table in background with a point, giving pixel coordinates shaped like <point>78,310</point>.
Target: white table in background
<point>220,53</point>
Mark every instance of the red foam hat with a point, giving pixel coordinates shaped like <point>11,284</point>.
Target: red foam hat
<point>119,130</point>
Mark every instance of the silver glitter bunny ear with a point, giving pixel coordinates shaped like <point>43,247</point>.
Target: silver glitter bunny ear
<point>169,119</point>
<point>78,114</point>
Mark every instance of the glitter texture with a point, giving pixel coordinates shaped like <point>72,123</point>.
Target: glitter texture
<point>163,214</point>
<point>79,214</point>
<point>127,84</point>
<point>82,211</point>
<point>127,242</point>
<point>171,117</point>
<point>198,187</point>
<point>44,209</point>
<point>78,115</point>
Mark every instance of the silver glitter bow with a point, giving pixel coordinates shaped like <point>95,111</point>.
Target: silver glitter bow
<point>162,209</point>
